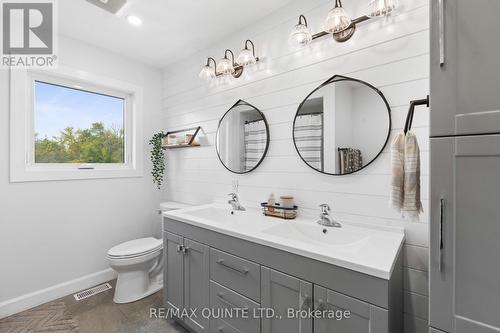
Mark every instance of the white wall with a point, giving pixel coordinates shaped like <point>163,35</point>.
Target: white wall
<point>392,54</point>
<point>55,232</point>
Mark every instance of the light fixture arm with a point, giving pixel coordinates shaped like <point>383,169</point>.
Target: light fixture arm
<point>213,60</point>
<point>302,20</point>
<point>232,56</point>
<point>251,43</point>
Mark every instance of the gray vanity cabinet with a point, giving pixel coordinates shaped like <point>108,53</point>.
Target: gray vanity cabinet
<point>282,292</point>
<point>221,272</point>
<point>187,278</point>
<point>464,73</point>
<point>351,315</point>
<point>465,231</point>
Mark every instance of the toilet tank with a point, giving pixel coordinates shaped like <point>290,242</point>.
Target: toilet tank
<point>165,207</point>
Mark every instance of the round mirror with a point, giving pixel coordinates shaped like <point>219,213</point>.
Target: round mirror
<point>342,126</point>
<point>242,138</point>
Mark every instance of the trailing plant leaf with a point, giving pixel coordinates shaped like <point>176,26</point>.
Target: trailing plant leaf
<point>157,158</point>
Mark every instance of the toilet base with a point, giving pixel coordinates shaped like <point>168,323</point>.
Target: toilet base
<point>131,288</point>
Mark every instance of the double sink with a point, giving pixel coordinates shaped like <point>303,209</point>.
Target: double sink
<point>371,250</point>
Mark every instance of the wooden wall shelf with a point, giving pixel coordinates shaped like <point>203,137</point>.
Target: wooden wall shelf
<point>192,142</point>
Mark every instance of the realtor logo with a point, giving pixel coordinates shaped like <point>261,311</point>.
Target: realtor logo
<point>28,29</point>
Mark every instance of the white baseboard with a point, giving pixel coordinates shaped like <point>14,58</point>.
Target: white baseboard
<point>36,298</point>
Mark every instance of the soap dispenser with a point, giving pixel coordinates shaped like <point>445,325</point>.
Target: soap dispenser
<point>271,202</point>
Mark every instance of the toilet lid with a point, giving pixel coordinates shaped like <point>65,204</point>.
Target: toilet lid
<point>136,247</point>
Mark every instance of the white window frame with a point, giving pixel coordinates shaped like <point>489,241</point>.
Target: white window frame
<point>22,132</point>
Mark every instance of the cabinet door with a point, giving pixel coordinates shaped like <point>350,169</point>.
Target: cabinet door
<point>282,292</point>
<point>196,283</point>
<point>464,72</point>
<point>174,268</point>
<point>441,234</point>
<point>464,269</point>
<point>361,317</point>
<point>477,232</point>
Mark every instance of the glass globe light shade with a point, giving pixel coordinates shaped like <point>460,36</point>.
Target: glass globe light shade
<point>300,35</point>
<point>246,58</point>
<point>225,66</point>
<point>207,73</point>
<point>337,20</point>
<point>378,8</point>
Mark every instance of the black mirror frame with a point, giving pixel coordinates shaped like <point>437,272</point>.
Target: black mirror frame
<point>242,102</point>
<point>338,78</point>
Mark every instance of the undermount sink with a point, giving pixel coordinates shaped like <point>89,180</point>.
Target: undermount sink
<point>316,234</point>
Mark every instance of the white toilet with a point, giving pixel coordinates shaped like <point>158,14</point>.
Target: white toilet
<point>139,264</point>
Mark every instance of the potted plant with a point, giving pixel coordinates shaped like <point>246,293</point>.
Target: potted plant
<point>157,158</point>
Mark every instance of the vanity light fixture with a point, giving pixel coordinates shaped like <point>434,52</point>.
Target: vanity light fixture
<point>301,34</point>
<point>339,24</point>
<point>227,65</point>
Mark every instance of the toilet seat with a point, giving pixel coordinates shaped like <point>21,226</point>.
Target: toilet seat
<point>136,248</point>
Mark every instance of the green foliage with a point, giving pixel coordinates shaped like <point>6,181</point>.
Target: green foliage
<point>157,158</point>
<point>96,144</point>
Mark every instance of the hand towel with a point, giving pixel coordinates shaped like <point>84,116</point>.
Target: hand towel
<point>396,198</point>
<point>412,206</point>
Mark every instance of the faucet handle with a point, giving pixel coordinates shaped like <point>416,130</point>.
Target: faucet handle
<point>233,195</point>
<point>325,208</point>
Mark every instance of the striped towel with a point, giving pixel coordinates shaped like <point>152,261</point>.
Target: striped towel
<point>396,199</point>
<point>405,182</point>
<point>412,206</point>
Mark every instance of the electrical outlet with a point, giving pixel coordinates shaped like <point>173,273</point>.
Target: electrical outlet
<point>235,185</point>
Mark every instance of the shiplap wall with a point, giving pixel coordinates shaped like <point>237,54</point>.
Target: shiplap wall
<point>390,53</point>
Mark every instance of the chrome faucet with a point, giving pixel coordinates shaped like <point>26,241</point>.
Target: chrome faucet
<point>234,202</point>
<point>325,219</point>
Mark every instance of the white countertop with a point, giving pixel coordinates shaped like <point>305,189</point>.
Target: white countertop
<point>371,250</point>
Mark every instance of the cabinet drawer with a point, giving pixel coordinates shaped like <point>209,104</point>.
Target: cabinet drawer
<point>222,298</point>
<point>220,326</point>
<point>238,274</point>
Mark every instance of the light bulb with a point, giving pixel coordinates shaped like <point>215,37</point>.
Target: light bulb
<point>300,35</point>
<point>337,20</point>
<point>378,8</point>
<point>134,20</point>
<point>246,58</point>
<point>225,66</point>
<point>207,73</point>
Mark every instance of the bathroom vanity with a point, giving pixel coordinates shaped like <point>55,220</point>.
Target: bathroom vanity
<point>219,259</point>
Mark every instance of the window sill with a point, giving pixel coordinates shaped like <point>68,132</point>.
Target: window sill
<point>37,174</point>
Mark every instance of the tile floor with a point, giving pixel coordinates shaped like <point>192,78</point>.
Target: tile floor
<point>97,314</point>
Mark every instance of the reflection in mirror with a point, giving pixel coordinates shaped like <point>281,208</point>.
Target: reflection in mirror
<point>242,138</point>
<point>342,126</point>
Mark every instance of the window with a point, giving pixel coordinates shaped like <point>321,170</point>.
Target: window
<point>73,125</point>
<point>77,126</point>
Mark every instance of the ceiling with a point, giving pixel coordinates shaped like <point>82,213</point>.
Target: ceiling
<point>171,29</point>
